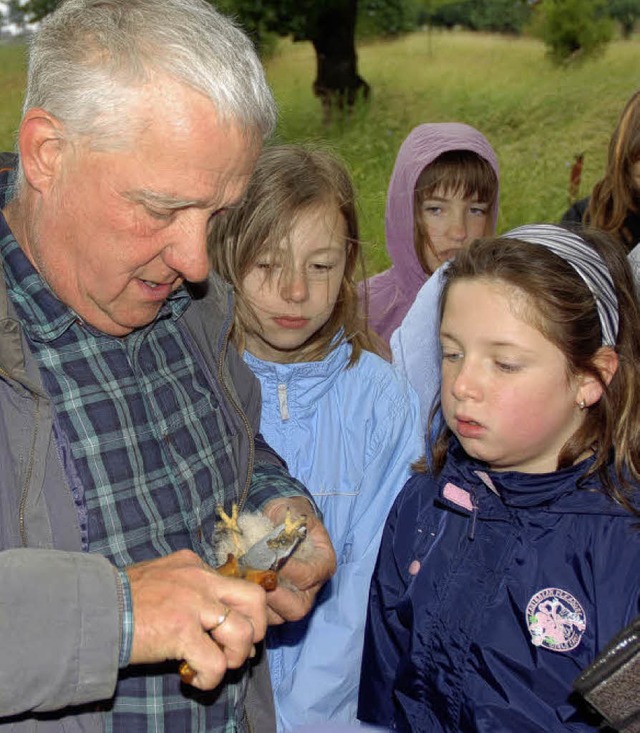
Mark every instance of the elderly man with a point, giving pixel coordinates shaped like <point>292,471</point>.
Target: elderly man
<point>126,418</point>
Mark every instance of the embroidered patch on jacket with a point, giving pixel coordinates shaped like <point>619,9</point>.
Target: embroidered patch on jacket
<point>556,620</point>
<point>458,496</point>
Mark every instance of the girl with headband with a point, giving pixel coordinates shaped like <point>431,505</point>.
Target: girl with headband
<point>512,556</point>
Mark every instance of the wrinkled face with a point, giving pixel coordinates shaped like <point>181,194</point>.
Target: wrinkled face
<point>452,222</point>
<point>294,294</point>
<point>120,230</point>
<point>506,393</point>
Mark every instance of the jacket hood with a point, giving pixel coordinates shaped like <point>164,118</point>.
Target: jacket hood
<point>392,292</point>
<point>420,148</point>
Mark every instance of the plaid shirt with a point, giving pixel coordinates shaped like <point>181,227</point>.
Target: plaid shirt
<point>144,442</point>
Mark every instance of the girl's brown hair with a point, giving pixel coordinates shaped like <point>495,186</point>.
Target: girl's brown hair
<point>614,196</point>
<point>459,173</point>
<point>561,307</point>
<point>288,181</point>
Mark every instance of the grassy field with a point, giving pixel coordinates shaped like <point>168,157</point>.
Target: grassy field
<point>537,116</point>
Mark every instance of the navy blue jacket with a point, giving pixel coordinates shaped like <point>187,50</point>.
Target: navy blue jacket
<point>492,591</point>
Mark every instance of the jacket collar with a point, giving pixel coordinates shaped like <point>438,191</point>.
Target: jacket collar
<point>310,379</point>
<point>494,493</point>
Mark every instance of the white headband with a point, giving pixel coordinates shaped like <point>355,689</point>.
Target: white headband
<point>586,262</point>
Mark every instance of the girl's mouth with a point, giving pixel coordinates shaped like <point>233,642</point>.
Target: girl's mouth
<point>468,428</point>
<point>291,322</point>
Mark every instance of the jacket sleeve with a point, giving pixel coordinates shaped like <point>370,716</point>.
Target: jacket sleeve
<point>331,652</point>
<point>386,638</point>
<point>60,625</point>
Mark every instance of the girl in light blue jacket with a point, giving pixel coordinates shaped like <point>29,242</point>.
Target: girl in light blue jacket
<point>344,420</point>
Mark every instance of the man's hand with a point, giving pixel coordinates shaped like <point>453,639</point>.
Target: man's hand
<point>292,600</point>
<point>178,604</point>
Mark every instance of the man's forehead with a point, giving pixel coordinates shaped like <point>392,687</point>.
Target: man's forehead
<point>222,191</point>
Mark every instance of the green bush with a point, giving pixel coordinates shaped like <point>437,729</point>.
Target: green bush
<point>573,29</point>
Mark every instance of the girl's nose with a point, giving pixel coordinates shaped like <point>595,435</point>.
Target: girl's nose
<point>294,287</point>
<point>466,384</point>
<point>457,231</point>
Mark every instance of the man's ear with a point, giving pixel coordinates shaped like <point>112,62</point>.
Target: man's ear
<point>590,390</point>
<point>40,141</point>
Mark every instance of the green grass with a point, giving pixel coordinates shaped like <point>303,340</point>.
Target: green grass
<point>12,80</point>
<point>537,116</point>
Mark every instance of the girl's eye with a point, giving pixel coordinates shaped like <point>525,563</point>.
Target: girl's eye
<point>506,367</point>
<point>432,210</point>
<point>451,356</point>
<point>478,210</point>
<point>321,267</point>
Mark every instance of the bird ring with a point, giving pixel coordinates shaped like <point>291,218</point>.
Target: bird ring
<point>221,619</point>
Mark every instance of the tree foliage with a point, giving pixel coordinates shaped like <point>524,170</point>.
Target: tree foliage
<point>499,16</point>
<point>33,10</point>
<point>626,12</point>
<point>329,25</point>
<point>386,18</point>
<point>573,28</point>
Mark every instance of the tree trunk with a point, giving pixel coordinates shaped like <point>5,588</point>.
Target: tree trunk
<point>337,81</point>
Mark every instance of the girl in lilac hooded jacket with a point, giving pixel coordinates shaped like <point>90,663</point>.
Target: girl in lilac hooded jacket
<point>442,195</point>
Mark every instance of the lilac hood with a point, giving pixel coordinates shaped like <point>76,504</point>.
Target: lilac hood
<point>392,292</point>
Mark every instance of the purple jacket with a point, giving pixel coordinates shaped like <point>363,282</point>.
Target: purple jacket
<point>392,292</point>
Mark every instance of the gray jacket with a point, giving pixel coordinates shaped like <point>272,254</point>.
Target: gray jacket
<point>59,606</point>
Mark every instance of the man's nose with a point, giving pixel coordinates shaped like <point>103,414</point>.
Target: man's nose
<point>187,251</point>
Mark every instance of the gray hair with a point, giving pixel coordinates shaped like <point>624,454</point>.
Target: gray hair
<point>89,56</point>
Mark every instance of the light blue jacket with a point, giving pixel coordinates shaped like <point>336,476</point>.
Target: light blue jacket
<point>415,344</point>
<point>349,435</point>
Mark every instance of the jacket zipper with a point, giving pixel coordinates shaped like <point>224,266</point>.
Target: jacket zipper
<point>282,401</point>
<point>25,491</point>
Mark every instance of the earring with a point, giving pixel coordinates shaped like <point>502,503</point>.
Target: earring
<point>582,404</point>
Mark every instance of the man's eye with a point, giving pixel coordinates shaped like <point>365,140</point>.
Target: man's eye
<point>218,212</point>
<point>160,215</point>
